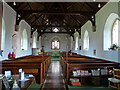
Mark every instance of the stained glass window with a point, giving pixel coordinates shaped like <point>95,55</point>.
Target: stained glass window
<point>55,44</point>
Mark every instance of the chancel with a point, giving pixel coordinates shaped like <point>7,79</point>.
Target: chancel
<point>63,45</point>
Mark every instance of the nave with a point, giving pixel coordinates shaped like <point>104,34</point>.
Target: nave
<point>60,45</point>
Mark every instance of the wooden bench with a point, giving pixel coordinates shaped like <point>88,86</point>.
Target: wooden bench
<point>35,64</point>
<point>70,64</point>
<point>79,60</point>
<point>44,58</point>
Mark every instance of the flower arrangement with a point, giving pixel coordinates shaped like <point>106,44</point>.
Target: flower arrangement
<point>114,47</point>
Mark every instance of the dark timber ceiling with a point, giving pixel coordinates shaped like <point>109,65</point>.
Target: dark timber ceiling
<point>66,16</point>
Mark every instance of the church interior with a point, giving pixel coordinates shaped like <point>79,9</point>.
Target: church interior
<point>60,45</point>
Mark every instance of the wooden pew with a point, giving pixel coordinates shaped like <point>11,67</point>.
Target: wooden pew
<point>83,63</point>
<point>86,66</point>
<point>44,58</point>
<point>35,64</point>
<point>64,60</point>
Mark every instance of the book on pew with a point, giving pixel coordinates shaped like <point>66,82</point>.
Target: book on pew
<point>81,73</point>
<point>78,72</point>
<point>75,73</point>
<point>104,71</point>
<point>76,84</point>
<point>74,80</point>
<point>95,72</point>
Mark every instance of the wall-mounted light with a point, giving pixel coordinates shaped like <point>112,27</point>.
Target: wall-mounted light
<point>94,0</point>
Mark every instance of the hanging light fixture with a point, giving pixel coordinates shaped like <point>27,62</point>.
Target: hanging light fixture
<point>19,15</point>
<point>92,17</point>
<point>99,6</point>
<point>18,18</point>
<point>14,3</point>
<point>75,30</point>
<point>55,30</point>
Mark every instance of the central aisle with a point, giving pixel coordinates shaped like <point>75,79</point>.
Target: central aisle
<point>54,79</point>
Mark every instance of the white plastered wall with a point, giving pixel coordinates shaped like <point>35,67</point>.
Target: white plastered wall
<point>97,38</point>
<point>63,38</point>
<point>19,52</point>
<point>9,17</point>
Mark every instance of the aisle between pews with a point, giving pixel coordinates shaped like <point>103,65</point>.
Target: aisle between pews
<point>54,78</point>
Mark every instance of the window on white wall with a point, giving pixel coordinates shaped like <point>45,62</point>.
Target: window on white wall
<point>110,31</point>
<point>71,42</point>
<point>34,42</point>
<point>86,41</point>
<point>55,44</point>
<point>3,35</point>
<point>24,40</point>
<point>115,32</point>
<point>40,42</point>
<point>76,43</point>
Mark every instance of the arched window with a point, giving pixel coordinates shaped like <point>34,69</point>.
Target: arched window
<point>71,42</point>
<point>3,35</point>
<point>34,42</point>
<point>86,41</point>
<point>24,40</point>
<point>115,32</point>
<point>110,31</point>
<point>76,43</point>
<point>55,44</point>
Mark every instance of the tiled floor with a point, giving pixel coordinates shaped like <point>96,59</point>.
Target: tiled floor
<point>54,79</point>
